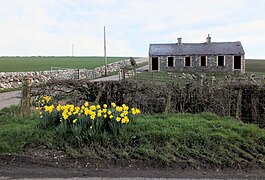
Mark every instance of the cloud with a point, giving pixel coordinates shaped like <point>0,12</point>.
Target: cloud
<point>50,27</point>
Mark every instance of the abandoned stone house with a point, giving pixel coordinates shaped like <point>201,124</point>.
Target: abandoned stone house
<point>201,57</point>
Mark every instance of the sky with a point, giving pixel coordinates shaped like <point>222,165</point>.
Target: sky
<point>50,27</point>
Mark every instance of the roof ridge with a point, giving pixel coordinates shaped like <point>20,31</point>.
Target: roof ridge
<point>195,43</point>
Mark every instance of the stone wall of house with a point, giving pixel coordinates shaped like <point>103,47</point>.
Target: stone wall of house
<point>14,79</point>
<point>195,64</point>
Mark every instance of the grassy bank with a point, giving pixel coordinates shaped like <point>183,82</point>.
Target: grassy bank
<point>203,138</point>
<point>196,139</point>
<point>23,64</point>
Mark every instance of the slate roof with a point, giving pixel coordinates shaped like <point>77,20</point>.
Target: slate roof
<point>215,48</point>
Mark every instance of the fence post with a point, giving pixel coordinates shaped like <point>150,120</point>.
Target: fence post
<point>134,73</point>
<point>202,78</point>
<point>238,104</point>
<point>25,110</point>
<point>168,103</point>
<point>100,92</point>
<point>213,80</point>
<point>122,73</point>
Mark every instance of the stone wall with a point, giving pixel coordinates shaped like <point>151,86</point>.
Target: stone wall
<point>14,79</point>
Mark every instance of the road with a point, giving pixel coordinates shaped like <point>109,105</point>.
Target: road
<point>9,98</point>
<point>116,77</point>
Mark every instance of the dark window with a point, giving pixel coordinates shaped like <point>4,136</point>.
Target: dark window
<point>203,61</point>
<point>237,62</point>
<point>187,61</point>
<point>221,61</point>
<point>170,61</point>
<point>155,63</point>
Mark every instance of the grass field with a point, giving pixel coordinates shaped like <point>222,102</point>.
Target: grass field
<point>23,64</point>
<point>255,66</point>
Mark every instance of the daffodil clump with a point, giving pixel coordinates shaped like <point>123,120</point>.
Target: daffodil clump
<point>86,119</point>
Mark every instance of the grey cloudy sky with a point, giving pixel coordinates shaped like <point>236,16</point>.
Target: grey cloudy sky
<point>49,27</point>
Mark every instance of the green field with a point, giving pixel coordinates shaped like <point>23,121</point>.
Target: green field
<point>255,66</point>
<point>23,64</point>
<point>34,63</point>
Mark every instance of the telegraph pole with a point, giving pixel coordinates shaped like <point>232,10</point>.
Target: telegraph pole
<point>73,49</point>
<point>105,53</point>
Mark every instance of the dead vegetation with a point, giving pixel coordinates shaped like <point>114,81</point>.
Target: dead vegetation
<point>242,100</point>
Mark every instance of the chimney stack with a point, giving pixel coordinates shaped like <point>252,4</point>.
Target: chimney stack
<point>179,41</point>
<point>208,39</point>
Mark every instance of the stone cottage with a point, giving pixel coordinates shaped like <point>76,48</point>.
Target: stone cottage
<point>201,57</point>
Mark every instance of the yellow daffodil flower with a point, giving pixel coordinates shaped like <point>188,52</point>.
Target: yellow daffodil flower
<point>86,104</point>
<point>113,104</point>
<point>74,121</point>
<point>93,108</point>
<point>99,114</point>
<point>118,108</point>
<point>59,107</point>
<point>109,112</point>
<point>125,120</point>
<point>125,108</point>
<point>118,119</point>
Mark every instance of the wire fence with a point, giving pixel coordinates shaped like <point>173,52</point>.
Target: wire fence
<point>184,78</point>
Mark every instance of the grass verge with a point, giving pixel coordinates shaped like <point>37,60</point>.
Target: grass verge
<point>195,139</point>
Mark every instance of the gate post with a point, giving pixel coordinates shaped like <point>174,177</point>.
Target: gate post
<point>134,73</point>
<point>122,73</point>
<point>25,110</point>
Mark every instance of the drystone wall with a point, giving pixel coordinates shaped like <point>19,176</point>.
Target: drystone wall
<point>14,79</point>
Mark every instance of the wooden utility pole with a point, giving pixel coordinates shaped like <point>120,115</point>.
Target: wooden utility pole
<point>105,52</point>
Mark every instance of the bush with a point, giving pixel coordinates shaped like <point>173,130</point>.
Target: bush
<point>84,122</point>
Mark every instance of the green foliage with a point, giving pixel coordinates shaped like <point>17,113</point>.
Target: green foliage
<point>171,138</point>
<point>23,64</point>
<point>15,132</point>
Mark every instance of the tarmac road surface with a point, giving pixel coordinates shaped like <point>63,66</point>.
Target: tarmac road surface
<point>9,98</point>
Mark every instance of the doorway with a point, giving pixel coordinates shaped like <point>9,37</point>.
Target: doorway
<point>154,63</point>
<point>237,62</point>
